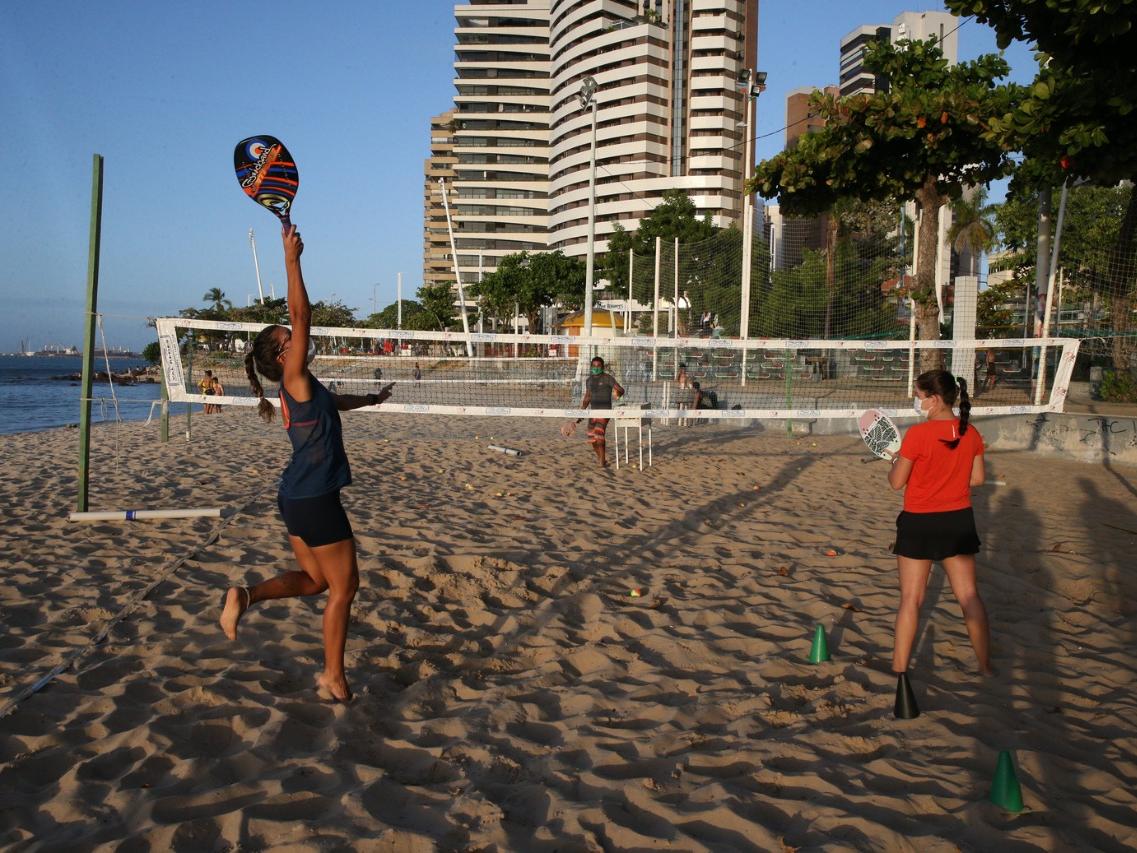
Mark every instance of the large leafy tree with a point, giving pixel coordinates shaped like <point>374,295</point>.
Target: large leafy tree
<point>675,217</point>
<point>529,282</point>
<point>925,137</point>
<point>415,317</point>
<point>437,302</point>
<point>1090,234</point>
<point>1079,118</point>
<point>333,314</point>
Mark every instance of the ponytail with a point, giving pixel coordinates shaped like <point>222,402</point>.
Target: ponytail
<point>948,388</point>
<point>964,406</point>
<point>262,359</point>
<point>264,408</point>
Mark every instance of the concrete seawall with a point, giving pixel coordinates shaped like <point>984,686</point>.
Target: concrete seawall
<point>1101,438</point>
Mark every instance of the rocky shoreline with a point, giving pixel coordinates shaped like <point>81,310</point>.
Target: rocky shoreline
<point>130,376</point>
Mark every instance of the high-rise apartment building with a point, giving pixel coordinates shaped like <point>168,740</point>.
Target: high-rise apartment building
<point>501,130</point>
<point>799,118</point>
<point>669,115</point>
<point>910,26</point>
<point>437,259</point>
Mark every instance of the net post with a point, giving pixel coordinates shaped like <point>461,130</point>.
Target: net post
<point>1040,386</point>
<point>675,312</point>
<point>631,272</point>
<point>655,316</point>
<point>89,330</point>
<point>911,346</point>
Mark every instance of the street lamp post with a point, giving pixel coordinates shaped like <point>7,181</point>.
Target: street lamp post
<point>587,99</point>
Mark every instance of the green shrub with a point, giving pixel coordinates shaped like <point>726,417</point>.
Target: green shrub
<point>1118,387</point>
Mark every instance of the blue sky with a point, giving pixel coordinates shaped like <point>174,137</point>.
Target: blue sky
<point>164,91</point>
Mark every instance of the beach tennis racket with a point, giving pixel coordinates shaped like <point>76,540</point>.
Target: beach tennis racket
<point>568,429</point>
<point>880,433</point>
<point>267,173</point>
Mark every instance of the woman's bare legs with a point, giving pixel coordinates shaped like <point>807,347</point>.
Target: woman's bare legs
<point>913,584</point>
<point>961,575</point>
<point>338,567</point>
<point>291,584</point>
<point>328,567</point>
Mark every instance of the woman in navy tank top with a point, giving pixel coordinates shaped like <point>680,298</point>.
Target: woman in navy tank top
<point>309,496</point>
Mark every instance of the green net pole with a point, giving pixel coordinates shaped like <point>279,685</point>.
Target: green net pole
<point>89,331</point>
<point>189,374</point>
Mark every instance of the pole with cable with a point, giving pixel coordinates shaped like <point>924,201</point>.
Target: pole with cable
<point>256,265</point>
<point>587,99</point>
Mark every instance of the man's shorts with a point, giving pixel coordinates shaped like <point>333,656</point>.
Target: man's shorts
<point>596,429</point>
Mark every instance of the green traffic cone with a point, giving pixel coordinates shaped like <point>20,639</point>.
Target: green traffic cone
<point>819,651</point>
<point>1005,790</point>
<point>905,707</point>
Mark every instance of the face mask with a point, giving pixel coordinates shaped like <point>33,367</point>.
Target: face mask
<point>918,406</point>
<point>597,370</point>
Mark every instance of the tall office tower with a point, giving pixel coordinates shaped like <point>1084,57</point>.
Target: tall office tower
<point>670,115</point>
<point>799,119</point>
<point>855,79</point>
<point>501,131</point>
<point>912,26</point>
<point>437,262</point>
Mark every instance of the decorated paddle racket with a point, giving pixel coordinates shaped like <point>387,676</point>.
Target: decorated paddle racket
<point>880,433</point>
<point>267,173</point>
<point>568,428</point>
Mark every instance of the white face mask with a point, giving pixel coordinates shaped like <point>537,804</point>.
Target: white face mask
<point>918,407</point>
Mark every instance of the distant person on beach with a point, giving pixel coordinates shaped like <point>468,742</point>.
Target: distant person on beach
<point>205,386</point>
<point>939,462</point>
<point>682,379</point>
<point>218,391</point>
<point>418,373</point>
<point>992,371</point>
<point>309,497</point>
<point>600,389</point>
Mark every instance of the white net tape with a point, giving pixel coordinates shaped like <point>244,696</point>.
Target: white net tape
<point>543,376</point>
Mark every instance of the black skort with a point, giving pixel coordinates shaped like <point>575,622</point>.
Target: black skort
<point>317,521</point>
<point>936,535</point>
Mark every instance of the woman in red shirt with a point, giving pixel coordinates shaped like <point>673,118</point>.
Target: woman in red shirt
<point>939,461</point>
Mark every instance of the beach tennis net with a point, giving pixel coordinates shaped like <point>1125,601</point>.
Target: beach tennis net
<point>453,373</point>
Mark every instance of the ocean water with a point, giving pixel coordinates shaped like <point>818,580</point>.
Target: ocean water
<point>33,398</point>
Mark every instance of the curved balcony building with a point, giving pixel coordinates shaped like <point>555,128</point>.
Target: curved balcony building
<point>670,115</point>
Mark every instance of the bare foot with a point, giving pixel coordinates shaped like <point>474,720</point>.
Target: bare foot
<point>333,690</point>
<point>237,600</point>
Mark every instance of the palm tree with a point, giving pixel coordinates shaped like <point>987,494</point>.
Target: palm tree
<point>216,297</point>
<point>972,227</point>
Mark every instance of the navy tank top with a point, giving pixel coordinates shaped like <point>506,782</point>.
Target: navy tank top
<point>319,464</point>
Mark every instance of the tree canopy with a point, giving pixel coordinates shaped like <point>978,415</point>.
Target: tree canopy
<point>527,283</point>
<point>675,217</point>
<point>926,136</point>
<point>1080,115</point>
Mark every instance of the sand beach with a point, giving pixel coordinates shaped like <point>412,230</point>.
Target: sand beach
<point>511,695</point>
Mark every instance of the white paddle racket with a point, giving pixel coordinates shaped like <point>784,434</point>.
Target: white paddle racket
<point>880,433</point>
